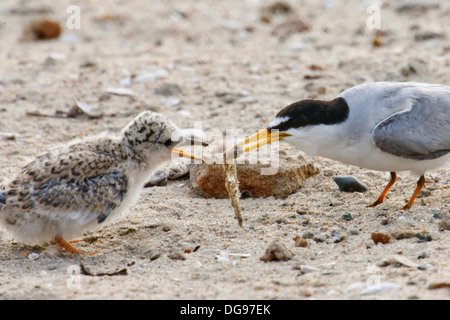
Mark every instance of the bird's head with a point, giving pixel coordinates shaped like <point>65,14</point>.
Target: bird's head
<point>294,122</point>
<point>150,136</point>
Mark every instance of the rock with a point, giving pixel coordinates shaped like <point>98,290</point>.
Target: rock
<point>245,100</point>
<point>336,237</point>
<point>404,261</point>
<point>307,235</point>
<point>177,170</point>
<point>422,255</point>
<point>350,184</point>
<point>158,179</point>
<point>424,35</point>
<point>168,89</point>
<point>416,7</point>
<point>120,91</point>
<point>277,251</point>
<point>278,7</point>
<point>414,66</point>
<point>378,237</point>
<point>347,216</point>
<point>172,102</point>
<point>33,256</point>
<point>208,180</point>
<point>304,269</point>
<point>400,234</point>
<point>43,29</point>
<point>445,223</point>
<point>243,97</point>
<point>300,242</point>
<point>24,9</point>
<point>87,64</point>
<point>176,256</point>
<point>150,77</point>
<point>165,227</point>
<point>289,27</point>
<point>383,286</point>
<point>320,237</point>
<point>423,237</point>
<point>439,285</point>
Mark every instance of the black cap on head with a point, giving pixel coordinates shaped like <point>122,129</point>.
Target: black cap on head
<point>310,112</point>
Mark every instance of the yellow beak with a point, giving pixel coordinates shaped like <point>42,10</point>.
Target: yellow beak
<point>256,141</point>
<point>182,153</point>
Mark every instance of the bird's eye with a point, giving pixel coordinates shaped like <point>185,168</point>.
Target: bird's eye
<point>168,143</point>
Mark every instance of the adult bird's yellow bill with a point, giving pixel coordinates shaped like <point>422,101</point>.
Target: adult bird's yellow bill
<point>257,140</point>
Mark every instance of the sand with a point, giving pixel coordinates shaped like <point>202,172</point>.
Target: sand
<point>235,66</point>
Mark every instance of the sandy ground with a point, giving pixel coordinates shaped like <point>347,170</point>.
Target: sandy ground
<point>174,244</point>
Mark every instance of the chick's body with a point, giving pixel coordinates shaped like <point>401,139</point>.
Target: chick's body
<point>71,189</point>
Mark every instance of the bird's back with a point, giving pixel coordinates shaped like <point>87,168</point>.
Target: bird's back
<point>408,120</point>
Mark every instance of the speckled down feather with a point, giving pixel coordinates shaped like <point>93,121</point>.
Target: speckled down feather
<point>70,189</point>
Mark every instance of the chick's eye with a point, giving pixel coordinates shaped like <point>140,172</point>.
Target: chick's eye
<point>168,143</point>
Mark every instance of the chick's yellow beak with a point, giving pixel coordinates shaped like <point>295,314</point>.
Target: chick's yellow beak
<point>182,153</point>
<point>256,141</point>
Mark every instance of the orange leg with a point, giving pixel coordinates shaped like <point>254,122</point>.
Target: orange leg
<point>385,191</point>
<point>64,244</point>
<point>420,184</point>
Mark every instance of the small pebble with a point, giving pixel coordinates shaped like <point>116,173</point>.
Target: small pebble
<point>380,237</point>
<point>347,216</point>
<point>304,269</point>
<point>300,242</point>
<point>336,237</point>
<point>437,216</point>
<point>172,102</point>
<point>307,235</point>
<point>400,234</point>
<point>33,256</point>
<point>422,256</point>
<point>445,223</point>
<point>168,89</point>
<point>244,100</point>
<point>150,77</point>
<point>277,251</point>
<point>423,237</point>
<point>350,184</point>
<point>383,286</point>
<point>158,179</point>
<point>155,256</point>
<point>422,268</point>
<point>165,227</point>
<point>43,29</point>
<point>320,237</point>
<point>176,256</point>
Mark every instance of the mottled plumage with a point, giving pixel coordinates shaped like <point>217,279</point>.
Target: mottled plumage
<point>71,189</point>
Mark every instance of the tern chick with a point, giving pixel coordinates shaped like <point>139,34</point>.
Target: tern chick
<point>74,188</point>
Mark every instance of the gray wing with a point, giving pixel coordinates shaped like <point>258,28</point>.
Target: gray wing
<point>422,133</point>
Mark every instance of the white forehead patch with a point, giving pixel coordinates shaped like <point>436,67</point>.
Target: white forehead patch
<point>277,121</point>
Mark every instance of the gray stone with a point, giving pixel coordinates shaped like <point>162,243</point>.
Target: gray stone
<point>350,184</point>
<point>168,89</point>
